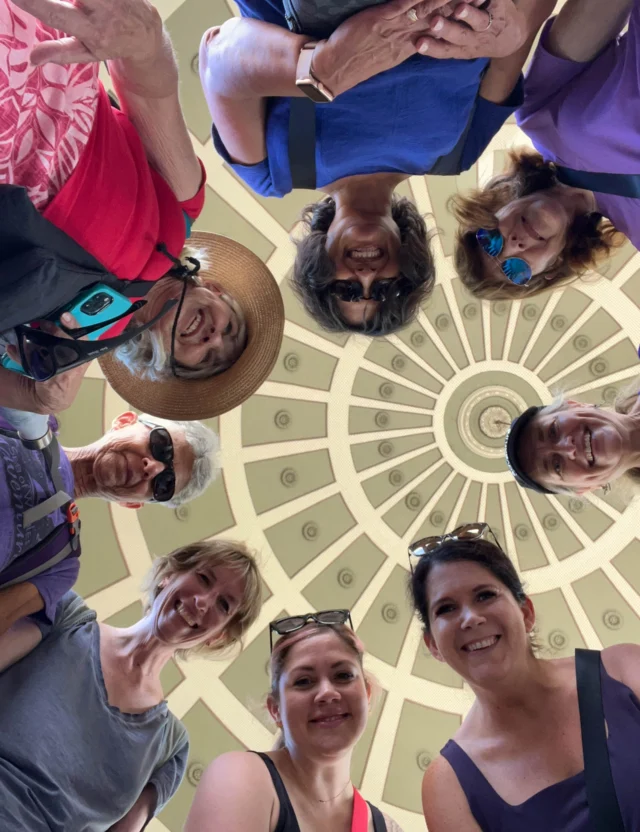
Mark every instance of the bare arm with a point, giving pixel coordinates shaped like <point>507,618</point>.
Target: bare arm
<point>18,641</point>
<point>443,801</point>
<point>148,94</point>
<point>584,28</point>
<point>503,73</point>
<point>18,602</point>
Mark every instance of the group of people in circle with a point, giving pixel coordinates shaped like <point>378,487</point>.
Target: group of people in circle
<point>99,188</point>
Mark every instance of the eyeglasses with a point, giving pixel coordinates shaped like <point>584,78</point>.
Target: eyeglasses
<point>44,355</point>
<point>469,531</point>
<point>515,269</point>
<point>352,290</point>
<point>284,626</point>
<point>161,446</point>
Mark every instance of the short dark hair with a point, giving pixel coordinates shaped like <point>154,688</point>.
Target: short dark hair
<point>314,270</point>
<point>480,551</point>
<point>590,238</point>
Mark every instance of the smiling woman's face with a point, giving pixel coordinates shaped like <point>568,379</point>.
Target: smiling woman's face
<point>534,229</point>
<point>323,700</point>
<point>579,447</point>
<point>365,251</point>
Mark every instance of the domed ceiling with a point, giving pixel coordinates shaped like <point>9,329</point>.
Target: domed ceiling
<point>352,449</point>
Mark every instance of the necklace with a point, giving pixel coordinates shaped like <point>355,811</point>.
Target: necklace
<point>328,800</point>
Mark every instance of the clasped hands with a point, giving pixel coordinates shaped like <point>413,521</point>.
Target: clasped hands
<point>381,37</point>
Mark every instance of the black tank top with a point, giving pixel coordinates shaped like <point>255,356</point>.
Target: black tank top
<point>287,820</point>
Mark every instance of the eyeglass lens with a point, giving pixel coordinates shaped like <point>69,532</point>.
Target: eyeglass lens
<point>161,446</point>
<point>352,291</point>
<point>515,269</point>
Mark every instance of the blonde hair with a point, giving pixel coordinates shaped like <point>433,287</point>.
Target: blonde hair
<point>590,237</point>
<point>145,356</point>
<point>209,554</point>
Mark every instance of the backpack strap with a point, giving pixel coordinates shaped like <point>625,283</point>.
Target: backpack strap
<point>302,142</point>
<point>63,541</point>
<point>604,810</point>
<point>618,184</point>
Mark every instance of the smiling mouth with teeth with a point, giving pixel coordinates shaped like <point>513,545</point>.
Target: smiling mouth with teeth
<point>588,450</point>
<point>194,324</point>
<point>183,612</point>
<point>371,253</point>
<point>481,645</point>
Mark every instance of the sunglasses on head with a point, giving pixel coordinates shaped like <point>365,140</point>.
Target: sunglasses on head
<point>161,446</point>
<point>469,531</point>
<point>284,626</point>
<point>352,290</point>
<point>515,269</point>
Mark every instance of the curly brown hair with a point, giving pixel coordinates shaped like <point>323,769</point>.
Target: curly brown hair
<point>590,238</point>
<point>314,270</point>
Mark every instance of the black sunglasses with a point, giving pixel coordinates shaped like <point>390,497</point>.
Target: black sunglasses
<point>469,531</point>
<point>515,269</point>
<point>44,355</point>
<point>284,626</point>
<point>352,290</point>
<point>161,446</point>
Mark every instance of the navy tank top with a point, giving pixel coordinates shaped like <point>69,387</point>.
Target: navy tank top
<point>287,820</point>
<point>563,807</point>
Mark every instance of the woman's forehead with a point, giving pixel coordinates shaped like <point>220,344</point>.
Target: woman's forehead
<point>321,645</point>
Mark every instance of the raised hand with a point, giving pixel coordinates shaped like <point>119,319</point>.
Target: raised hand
<point>97,30</point>
<point>495,31</point>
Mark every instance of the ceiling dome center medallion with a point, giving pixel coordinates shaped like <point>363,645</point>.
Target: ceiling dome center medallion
<point>494,422</point>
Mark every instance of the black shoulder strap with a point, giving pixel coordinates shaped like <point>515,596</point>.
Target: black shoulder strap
<point>604,811</point>
<point>379,824</point>
<point>618,184</point>
<point>287,821</point>
<point>302,142</point>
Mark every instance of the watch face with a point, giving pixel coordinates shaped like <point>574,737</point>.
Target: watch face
<point>313,93</point>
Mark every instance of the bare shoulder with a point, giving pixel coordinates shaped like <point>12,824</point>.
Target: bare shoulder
<point>622,662</point>
<point>235,793</point>
<point>444,803</point>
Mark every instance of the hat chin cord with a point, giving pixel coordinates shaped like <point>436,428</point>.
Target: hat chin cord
<point>181,272</point>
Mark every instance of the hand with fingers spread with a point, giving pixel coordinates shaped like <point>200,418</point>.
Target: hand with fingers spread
<point>57,393</point>
<point>493,32</point>
<point>374,40</point>
<point>97,30</point>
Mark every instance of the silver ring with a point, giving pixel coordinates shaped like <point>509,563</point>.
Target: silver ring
<point>486,29</point>
<point>412,14</point>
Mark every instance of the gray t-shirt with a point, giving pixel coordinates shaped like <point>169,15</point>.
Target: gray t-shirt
<point>69,761</point>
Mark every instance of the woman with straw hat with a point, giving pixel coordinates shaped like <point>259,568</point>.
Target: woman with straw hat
<point>124,185</point>
<point>320,696</point>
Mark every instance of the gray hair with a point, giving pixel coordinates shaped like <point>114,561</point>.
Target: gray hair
<point>145,355</point>
<point>205,445</point>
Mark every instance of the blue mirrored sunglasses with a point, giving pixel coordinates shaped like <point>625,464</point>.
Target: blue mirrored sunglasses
<point>515,269</point>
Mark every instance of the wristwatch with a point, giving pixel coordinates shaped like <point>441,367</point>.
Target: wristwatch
<point>306,80</point>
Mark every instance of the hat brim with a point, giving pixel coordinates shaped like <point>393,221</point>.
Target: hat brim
<point>246,277</point>
<point>511,448</point>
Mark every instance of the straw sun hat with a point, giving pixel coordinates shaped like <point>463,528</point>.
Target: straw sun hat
<point>253,286</point>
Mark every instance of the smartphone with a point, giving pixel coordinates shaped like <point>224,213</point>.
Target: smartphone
<point>93,305</point>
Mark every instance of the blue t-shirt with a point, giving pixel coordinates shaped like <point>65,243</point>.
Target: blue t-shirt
<point>399,121</point>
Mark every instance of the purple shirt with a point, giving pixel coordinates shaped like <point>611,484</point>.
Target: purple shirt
<point>586,116</point>
<point>25,482</point>
<point>563,807</point>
